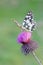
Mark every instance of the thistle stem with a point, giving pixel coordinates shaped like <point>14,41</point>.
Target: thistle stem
<point>37,59</point>
<point>20,26</point>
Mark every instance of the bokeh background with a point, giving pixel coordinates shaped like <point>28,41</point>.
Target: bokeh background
<point>10,52</point>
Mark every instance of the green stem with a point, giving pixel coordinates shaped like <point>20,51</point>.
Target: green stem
<point>37,59</point>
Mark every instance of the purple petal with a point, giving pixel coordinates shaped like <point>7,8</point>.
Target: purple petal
<point>31,46</point>
<point>24,37</point>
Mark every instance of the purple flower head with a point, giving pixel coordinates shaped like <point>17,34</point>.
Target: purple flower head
<point>24,37</point>
<point>31,46</point>
<point>28,45</point>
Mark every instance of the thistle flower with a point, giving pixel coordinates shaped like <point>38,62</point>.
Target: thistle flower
<point>28,45</point>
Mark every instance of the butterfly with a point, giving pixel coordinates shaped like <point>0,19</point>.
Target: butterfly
<point>28,22</point>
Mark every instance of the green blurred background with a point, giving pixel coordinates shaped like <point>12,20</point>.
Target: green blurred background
<point>10,52</point>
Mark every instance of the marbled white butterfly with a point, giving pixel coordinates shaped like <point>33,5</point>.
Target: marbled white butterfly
<point>28,22</point>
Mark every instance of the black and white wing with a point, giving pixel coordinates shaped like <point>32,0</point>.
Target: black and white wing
<point>29,22</point>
